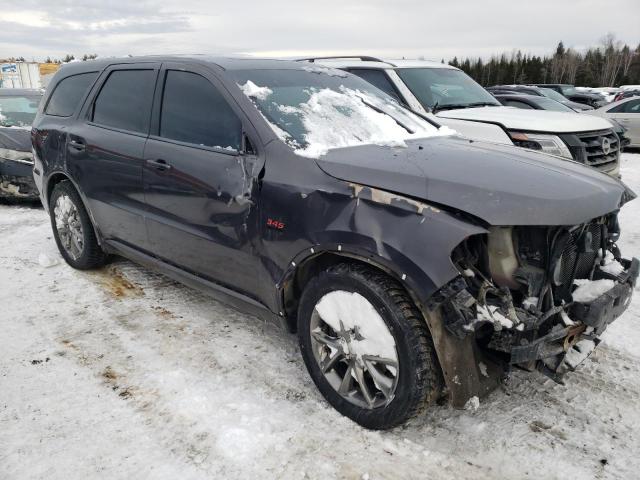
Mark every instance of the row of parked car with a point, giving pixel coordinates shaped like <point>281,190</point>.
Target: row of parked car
<point>331,196</point>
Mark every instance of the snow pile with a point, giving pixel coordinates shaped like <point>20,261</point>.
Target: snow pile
<point>472,404</point>
<point>343,310</point>
<point>250,89</point>
<point>611,265</point>
<point>46,261</point>
<point>589,290</point>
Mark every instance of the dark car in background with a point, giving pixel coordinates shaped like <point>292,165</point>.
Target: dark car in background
<point>569,91</point>
<point>413,263</point>
<point>540,92</point>
<point>18,108</point>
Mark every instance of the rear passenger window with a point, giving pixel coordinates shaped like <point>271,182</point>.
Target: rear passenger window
<point>617,109</point>
<point>194,111</point>
<point>632,106</point>
<point>125,100</point>
<point>68,93</point>
<point>377,78</point>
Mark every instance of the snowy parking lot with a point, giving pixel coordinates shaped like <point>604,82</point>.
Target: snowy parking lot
<point>121,373</point>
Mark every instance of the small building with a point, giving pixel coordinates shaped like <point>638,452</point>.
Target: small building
<point>26,74</point>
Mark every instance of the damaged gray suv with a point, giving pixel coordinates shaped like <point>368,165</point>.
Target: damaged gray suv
<point>414,264</point>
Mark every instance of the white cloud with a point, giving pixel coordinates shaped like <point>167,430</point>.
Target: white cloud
<point>407,28</point>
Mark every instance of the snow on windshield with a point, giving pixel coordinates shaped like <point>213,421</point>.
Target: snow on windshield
<point>314,119</point>
<point>18,112</point>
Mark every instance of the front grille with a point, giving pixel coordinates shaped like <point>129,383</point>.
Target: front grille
<point>600,149</point>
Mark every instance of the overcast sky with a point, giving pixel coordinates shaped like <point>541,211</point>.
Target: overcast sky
<point>393,28</point>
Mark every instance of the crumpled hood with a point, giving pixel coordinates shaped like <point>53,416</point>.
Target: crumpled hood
<point>13,138</point>
<point>499,184</point>
<point>513,118</point>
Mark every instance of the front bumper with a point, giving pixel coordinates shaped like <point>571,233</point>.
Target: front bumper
<point>16,180</point>
<point>564,348</point>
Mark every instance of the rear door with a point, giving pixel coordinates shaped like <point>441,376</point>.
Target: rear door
<point>105,150</point>
<point>197,179</point>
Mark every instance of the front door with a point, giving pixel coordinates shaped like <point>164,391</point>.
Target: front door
<point>199,193</point>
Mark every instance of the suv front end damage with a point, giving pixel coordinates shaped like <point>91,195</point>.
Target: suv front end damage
<point>539,297</point>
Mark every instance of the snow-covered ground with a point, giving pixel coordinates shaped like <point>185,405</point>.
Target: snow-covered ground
<point>123,374</point>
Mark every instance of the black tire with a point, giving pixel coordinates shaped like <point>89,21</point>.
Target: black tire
<point>92,255</point>
<point>419,382</point>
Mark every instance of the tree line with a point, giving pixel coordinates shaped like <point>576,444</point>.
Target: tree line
<point>609,64</point>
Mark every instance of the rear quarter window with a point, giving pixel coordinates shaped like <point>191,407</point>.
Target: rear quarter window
<point>68,94</point>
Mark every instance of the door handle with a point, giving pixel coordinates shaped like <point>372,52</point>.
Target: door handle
<point>77,144</point>
<point>159,164</point>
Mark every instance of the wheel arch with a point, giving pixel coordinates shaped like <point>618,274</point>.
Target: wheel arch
<point>305,267</point>
<point>54,179</point>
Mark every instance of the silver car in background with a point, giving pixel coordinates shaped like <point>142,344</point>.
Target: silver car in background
<point>627,113</point>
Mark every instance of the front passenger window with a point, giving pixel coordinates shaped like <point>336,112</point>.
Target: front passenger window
<point>193,111</point>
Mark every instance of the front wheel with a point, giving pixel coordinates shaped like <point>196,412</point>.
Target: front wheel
<point>366,346</point>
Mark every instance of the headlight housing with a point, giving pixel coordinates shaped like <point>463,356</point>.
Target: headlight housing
<point>16,156</point>
<point>550,144</point>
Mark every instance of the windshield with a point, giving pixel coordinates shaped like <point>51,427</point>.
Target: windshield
<point>445,88</point>
<point>568,90</point>
<point>18,111</point>
<point>550,104</point>
<point>550,93</point>
<point>316,109</point>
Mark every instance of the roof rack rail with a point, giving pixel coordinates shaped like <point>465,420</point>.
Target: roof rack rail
<point>364,58</point>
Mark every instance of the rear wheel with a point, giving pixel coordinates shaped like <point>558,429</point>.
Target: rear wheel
<point>366,346</point>
<point>73,230</point>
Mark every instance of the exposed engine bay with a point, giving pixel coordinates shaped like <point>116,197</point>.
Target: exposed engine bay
<point>540,297</point>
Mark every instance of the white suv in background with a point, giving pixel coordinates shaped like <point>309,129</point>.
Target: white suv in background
<point>459,102</point>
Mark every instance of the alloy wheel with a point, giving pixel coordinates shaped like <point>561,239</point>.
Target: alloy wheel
<point>354,349</point>
<point>69,226</point>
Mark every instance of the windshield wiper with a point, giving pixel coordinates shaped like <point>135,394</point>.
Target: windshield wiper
<point>447,106</point>
<point>380,110</point>
<point>452,106</point>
